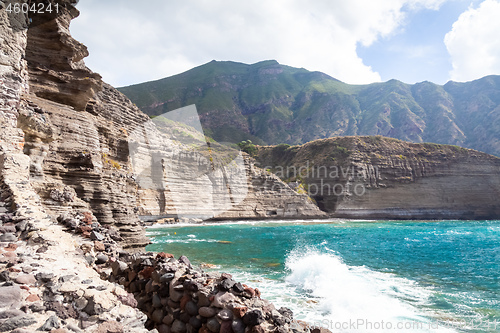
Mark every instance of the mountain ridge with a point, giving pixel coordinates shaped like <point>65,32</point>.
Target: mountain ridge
<point>270,103</point>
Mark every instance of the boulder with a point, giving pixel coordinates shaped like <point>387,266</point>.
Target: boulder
<point>9,296</point>
<point>17,322</point>
<point>51,323</point>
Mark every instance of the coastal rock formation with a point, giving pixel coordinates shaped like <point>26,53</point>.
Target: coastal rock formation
<point>376,177</point>
<point>70,199</point>
<point>71,134</point>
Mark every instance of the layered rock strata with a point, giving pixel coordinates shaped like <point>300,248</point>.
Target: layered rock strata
<point>72,132</point>
<point>376,177</point>
<point>69,198</point>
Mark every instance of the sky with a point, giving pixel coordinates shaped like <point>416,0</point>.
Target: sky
<point>355,41</point>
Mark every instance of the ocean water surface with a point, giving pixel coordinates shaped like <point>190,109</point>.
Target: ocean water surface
<point>358,276</point>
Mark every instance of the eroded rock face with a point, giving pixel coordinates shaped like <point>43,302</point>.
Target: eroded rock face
<point>375,177</point>
<point>56,68</point>
<point>66,140</point>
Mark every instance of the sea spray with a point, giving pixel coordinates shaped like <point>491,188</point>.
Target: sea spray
<point>356,299</point>
<point>439,273</point>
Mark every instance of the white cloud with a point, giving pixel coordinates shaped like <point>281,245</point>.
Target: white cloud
<point>473,42</point>
<point>132,42</point>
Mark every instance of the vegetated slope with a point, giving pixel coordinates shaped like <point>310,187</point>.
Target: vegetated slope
<point>377,177</point>
<point>271,103</point>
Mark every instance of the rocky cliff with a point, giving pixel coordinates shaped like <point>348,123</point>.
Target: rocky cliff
<point>71,195</point>
<point>67,136</point>
<point>376,177</point>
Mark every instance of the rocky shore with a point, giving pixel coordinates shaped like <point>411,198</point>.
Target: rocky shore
<point>71,275</point>
<point>72,247</point>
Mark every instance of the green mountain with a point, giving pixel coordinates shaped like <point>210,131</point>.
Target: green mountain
<point>270,103</point>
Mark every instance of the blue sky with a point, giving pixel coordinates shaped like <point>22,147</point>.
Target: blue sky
<point>356,41</point>
<point>416,51</point>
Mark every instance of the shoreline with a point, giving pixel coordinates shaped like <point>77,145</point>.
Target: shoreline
<point>290,222</point>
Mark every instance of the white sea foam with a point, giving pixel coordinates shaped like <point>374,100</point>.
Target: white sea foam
<point>323,291</point>
<point>344,294</point>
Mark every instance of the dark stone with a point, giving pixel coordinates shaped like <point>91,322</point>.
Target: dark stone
<point>280,320</point>
<point>4,276</point>
<point>163,292</point>
<point>60,310</point>
<point>168,319</point>
<point>167,277</point>
<point>190,285</point>
<point>118,267</point>
<point>37,307</point>
<point>156,301</point>
<point>101,259</point>
<point>213,325</point>
<point>238,287</point>
<point>72,223</point>
<point>226,284</point>
<point>90,259</point>
<point>80,303</point>
<point>225,314</point>
<point>149,286</point>
<point>164,329</point>
<point>21,226</point>
<point>157,316</point>
<point>147,262</point>
<point>185,261</point>
<point>203,298</point>
<point>177,314</point>
<point>195,322</point>
<point>44,277</point>
<point>10,313</point>
<point>207,312</point>
<point>50,324</point>
<point>226,327</point>
<point>42,249</point>
<point>178,327</point>
<point>172,304</point>
<point>184,317</point>
<point>66,278</point>
<point>253,317</point>
<point>17,322</point>
<point>93,308</point>
<point>191,308</point>
<point>286,312</point>
<point>175,296</point>
<point>238,326</point>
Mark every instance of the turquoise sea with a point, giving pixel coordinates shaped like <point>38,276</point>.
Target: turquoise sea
<point>358,276</point>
